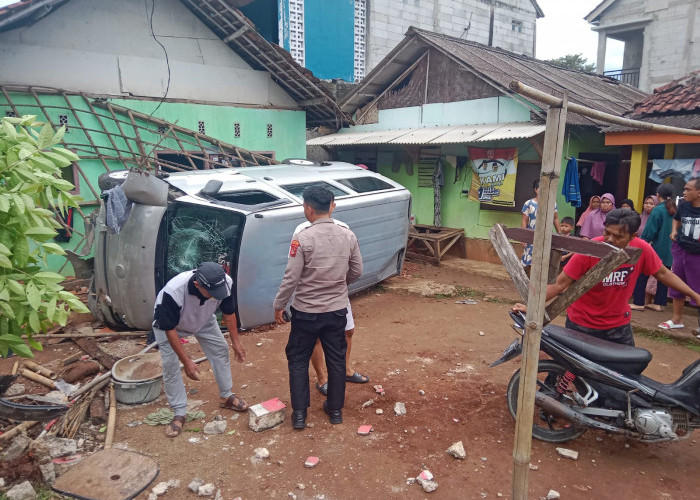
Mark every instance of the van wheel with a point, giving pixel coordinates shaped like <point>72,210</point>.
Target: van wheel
<point>108,180</point>
<point>302,162</point>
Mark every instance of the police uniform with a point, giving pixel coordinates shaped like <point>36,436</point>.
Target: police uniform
<point>323,259</point>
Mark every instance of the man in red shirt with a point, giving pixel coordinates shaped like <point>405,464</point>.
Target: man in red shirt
<point>604,310</point>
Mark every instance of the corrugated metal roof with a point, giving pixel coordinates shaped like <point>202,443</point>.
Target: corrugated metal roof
<point>498,67</point>
<point>434,135</point>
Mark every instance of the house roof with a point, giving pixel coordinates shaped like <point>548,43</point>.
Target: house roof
<point>593,15</point>
<point>682,95</point>
<point>498,68</point>
<point>676,104</point>
<point>538,10</point>
<point>434,135</point>
<point>239,33</point>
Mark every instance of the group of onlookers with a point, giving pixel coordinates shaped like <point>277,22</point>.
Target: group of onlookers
<point>672,231</point>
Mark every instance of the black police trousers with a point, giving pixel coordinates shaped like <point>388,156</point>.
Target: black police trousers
<point>306,328</point>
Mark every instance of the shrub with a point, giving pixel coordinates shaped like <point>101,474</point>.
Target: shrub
<point>31,193</point>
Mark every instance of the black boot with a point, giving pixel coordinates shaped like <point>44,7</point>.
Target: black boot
<point>299,419</point>
<point>335,415</point>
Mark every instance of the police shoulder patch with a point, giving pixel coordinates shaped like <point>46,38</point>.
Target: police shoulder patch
<point>293,248</point>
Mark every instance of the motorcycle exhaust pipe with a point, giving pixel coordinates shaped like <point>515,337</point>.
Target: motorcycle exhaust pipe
<point>558,409</point>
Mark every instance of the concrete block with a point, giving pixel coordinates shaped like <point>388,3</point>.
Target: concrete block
<point>566,453</point>
<point>364,430</point>
<point>23,491</point>
<point>266,415</point>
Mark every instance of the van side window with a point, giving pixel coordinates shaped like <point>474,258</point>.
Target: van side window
<point>247,197</point>
<point>298,189</point>
<point>365,184</point>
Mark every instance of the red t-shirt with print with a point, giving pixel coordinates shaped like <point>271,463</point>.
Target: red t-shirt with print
<point>606,305</point>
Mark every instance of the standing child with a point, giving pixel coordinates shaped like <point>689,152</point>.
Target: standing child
<point>567,229</point>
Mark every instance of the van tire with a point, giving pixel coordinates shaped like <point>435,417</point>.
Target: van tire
<point>108,180</point>
<point>303,162</point>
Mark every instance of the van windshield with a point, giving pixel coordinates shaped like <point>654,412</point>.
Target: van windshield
<point>197,234</point>
<point>365,184</point>
<point>298,189</point>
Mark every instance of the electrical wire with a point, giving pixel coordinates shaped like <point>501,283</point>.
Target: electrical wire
<point>167,60</point>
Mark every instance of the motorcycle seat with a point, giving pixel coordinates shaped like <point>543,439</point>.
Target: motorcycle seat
<point>618,357</point>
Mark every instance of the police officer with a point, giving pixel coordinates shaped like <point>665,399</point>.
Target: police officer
<point>186,306</point>
<point>323,260</point>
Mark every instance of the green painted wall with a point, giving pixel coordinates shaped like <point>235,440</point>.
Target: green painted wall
<point>457,210</point>
<point>287,141</point>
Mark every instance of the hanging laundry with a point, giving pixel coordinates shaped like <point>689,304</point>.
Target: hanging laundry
<point>682,168</point>
<point>117,208</point>
<point>570,188</point>
<point>598,171</point>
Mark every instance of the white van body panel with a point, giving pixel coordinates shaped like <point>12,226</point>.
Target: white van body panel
<point>131,266</point>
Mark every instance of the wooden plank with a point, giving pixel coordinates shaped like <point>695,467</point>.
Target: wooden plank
<point>90,346</point>
<point>554,264</point>
<point>111,474</point>
<point>510,260</point>
<point>454,240</point>
<point>594,276</point>
<point>583,246</point>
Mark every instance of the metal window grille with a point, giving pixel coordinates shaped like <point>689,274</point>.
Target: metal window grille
<point>161,129</point>
<point>269,130</point>
<point>201,127</point>
<point>236,129</point>
<point>10,114</point>
<point>360,39</point>
<point>516,26</point>
<point>296,31</point>
<point>63,121</point>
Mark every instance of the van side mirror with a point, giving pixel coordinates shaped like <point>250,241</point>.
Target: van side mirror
<point>212,187</point>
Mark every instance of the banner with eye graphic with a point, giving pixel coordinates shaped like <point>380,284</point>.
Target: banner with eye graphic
<point>493,175</point>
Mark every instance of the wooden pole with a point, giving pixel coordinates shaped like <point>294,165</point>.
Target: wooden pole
<point>554,101</point>
<point>23,427</point>
<point>112,419</point>
<point>549,177</point>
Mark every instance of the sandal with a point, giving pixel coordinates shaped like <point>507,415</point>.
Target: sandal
<point>357,378</point>
<point>635,307</point>
<point>670,325</point>
<point>323,388</point>
<point>234,403</point>
<point>174,429</point>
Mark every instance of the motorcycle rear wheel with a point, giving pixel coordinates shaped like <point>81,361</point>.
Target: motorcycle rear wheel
<point>546,427</point>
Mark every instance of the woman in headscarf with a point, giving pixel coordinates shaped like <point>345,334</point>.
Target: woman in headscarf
<point>593,204</point>
<point>649,203</point>
<point>656,232</point>
<point>594,224</point>
<point>627,203</point>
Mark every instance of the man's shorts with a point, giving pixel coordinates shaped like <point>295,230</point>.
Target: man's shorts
<point>351,322</point>
<point>687,267</point>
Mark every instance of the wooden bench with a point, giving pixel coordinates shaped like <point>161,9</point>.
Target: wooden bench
<point>431,243</point>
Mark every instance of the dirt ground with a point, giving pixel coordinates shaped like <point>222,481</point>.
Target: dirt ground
<point>408,343</point>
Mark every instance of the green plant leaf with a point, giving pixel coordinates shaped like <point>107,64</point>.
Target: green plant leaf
<point>57,159</point>
<point>18,203</point>
<point>34,322</point>
<point>16,288</point>
<point>33,296</point>
<point>58,136</point>
<point>51,308</point>
<point>40,233</point>
<point>66,153</point>
<point>22,350</point>
<point>45,136</point>
<point>5,262</point>
<point>5,202</point>
<point>7,310</point>
<point>21,251</point>
<point>4,250</point>
<point>43,164</point>
<point>48,277</point>
<point>35,345</point>
<point>53,248</point>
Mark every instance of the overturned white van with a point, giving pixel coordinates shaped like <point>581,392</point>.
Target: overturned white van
<point>242,218</point>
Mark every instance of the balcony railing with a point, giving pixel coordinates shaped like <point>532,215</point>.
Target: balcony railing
<point>629,76</point>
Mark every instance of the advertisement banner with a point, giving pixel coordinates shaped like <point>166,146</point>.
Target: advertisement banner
<point>493,176</point>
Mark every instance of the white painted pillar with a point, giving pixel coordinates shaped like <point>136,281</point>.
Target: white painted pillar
<point>602,42</point>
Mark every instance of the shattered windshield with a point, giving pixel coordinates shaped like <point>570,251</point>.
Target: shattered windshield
<point>196,234</point>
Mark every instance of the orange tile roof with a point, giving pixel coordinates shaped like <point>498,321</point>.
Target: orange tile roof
<point>679,96</point>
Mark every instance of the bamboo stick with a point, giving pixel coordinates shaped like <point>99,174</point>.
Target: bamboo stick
<point>40,369</point>
<point>72,359</point>
<point>14,368</point>
<point>35,377</point>
<point>112,419</point>
<point>100,379</point>
<point>554,101</point>
<point>87,335</point>
<point>23,427</point>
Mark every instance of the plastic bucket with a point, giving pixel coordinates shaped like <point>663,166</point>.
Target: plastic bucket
<point>137,379</point>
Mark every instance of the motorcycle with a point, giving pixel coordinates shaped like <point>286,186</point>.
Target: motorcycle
<point>590,383</point>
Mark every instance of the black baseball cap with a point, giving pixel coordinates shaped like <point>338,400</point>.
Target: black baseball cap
<point>213,278</point>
